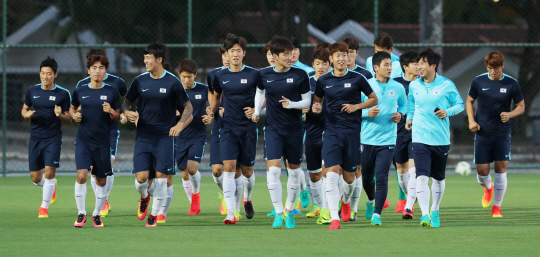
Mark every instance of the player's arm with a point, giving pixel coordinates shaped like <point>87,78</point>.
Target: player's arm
<point>207,119</point>
<point>185,119</point>
<point>364,87</point>
<point>306,97</point>
<point>27,111</point>
<point>517,97</point>
<point>260,99</point>
<point>410,109</point>
<point>456,102</point>
<point>316,106</point>
<point>131,96</point>
<point>62,111</point>
<point>469,107</point>
<point>402,106</point>
<point>75,114</point>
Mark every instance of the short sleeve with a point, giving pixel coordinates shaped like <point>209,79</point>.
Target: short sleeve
<point>133,92</point>
<point>181,95</point>
<point>66,101</point>
<point>517,95</point>
<point>319,90</point>
<point>473,91</point>
<point>75,100</point>
<point>28,98</point>
<point>116,100</point>
<point>216,85</point>
<point>304,86</point>
<point>363,86</point>
<point>122,88</point>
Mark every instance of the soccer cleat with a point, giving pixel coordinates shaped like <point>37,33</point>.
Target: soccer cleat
<point>297,205</point>
<point>400,206</point>
<point>425,221</point>
<point>53,199</point>
<point>407,214</point>
<point>486,199</point>
<point>223,207</point>
<point>237,216</point>
<point>106,209</point>
<point>289,219</point>
<point>81,219</point>
<point>278,221</point>
<point>151,221</point>
<point>230,219</point>
<point>195,204</point>
<point>314,211</point>
<point>353,216</point>
<point>324,217</point>
<point>376,220</point>
<point>161,218</point>
<point>386,204</point>
<point>304,198</point>
<point>346,211</point>
<point>370,208</point>
<point>43,213</point>
<point>435,219</point>
<point>335,225</point>
<point>249,211</point>
<point>97,221</point>
<point>496,212</point>
<point>272,213</point>
<point>143,207</point>
<point>296,211</point>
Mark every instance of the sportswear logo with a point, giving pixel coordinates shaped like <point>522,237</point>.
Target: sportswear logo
<point>289,80</point>
<point>144,90</point>
<point>169,169</point>
<point>484,89</point>
<point>507,155</point>
<point>163,90</point>
<point>312,92</point>
<point>55,162</point>
<point>103,97</point>
<point>252,162</point>
<point>243,81</point>
<point>52,98</point>
<point>85,96</point>
<point>198,97</point>
<point>269,81</point>
<point>445,153</point>
<point>36,96</point>
<point>347,84</point>
<point>225,82</point>
<point>390,147</point>
<point>503,90</point>
<point>329,86</point>
<point>197,157</point>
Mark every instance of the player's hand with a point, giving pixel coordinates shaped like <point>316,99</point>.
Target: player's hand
<point>177,113</point>
<point>57,110</point>
<point>255,117</point>
<point>284,101</point>
<point>248,111</point>
<point>123,118</point>
<point>397,117</point>
<point>175,131</point>
<point>133,117</point>
<point>79,109</point>
<point>107,108</point>
<point>408,125</point>
<point>316,107</point>
<point>505,116</point>
<point>474,126</point>
<point>373,112</point>
<point>77,117</point>
<point>349,108</point>
<point>304,111</point>
<point>29,114</point>
<point>441,114</point>
<point>137,120</point>
<point>208,110</point>
<point>207,119</point>
<point>221,111</point>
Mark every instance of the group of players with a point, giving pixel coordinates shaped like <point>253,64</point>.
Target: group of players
<point>354,122</point>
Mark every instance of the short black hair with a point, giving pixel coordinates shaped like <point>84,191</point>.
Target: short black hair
<point>49,62</point>
<point>280,44</point>
<point>296,43</point>
<point>96,51</point>
<point>323,45</point>
<point>379,57</point>
<point>352,43</point>
<point>321,54</point>
<point>222,49</point>
<point>406,58</point>
<point>156,49</point>
<point>187,65</point>
<point>232,40</point>
<point>431,57</point>
<point>384,40</point>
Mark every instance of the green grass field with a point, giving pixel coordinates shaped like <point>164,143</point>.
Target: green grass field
<point>466,228</point>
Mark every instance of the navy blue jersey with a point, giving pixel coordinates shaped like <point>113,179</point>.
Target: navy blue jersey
<point>45,124</point>
<point>95,124</point>
<point>198,96</point>
<point>494,97</point>
<point>401,125</point>
<point>291,85</point>
<point>218,122</point>
<point>363,71</point>
<point>238,89</point>
<point>157,103</point>
<point>314,121</point>
<point>342,90</point>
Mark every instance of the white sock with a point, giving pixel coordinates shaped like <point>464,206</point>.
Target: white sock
<point>218,181</point>
<point>348,190</point>
<point>500,188</point>
<point>93,183</point>
<point>160,195</point>
<point>152,189</point>
<point>110,182</point>
<point>437,192</point>
<point>355,198</point>
<point>101,197</point>
<point>275,189</point>
<point>239,182</point>
<point>332,194</point>
<point>324,202</point>
<point>340,185</point>
<point>484,181</point>
<point>293,187</point>
<point>403,180</point>
<point>423,193</point>
<point>308,183</point>
<point>195,182</point>
<point>48,191</point>
<point>229,189</point>
<point>411,189</point>
<point>165,208</point>
<point>80,197</point>
<point>41,182</point>
<point>316,191</point>
<point>142,188</point>
<point>188,188</point>
<point>249,184</point>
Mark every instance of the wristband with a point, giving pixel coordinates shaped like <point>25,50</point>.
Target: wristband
<point>115,114</point>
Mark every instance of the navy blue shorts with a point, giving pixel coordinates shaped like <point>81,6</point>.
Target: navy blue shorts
<point>403,151</point>
<point>430,160</point>
<point>341,149</point>
<point>99,158</point>
<point>492,148</point>
<point>240,145</point>
<point>313,145</point>
<point>215,153</point>
<point>44,153</point>
<point>286,144</point>
<point>192,150</point>
<point>154,154</point>
<point>115,135</point>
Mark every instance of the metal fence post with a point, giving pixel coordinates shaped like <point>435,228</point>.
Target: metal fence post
<point>375,18</point>
<point>189,28</point>
<point>4,87</point>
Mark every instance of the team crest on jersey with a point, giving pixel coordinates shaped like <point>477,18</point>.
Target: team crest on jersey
<point>391,93</point>
<point>163,90</point>
<point>198,97</point>
<point>103,97</point>
<point>289,80</point>
<point>436,92</point>
<point>347,84</point>
<point>503,90</point>
<point>52,98</point>
<point>243,81</point>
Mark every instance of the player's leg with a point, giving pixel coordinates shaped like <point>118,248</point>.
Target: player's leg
<point>368,181</point>
<point>195,155</point>
<point>350,164</point>
<point>182,156</point>
<point>293,152</point>
<point>438,185</point>
<point>502,156</point>
<point>411,186</point>
<point>483,155</point>
<point>217,166</point>
<point>333,155</point>
<point>402,168</point>
<point>355,198</point>
<point>230,148</point>
<point>383,161</point>
<point>186,183</point>
<point>273,146</point>
<point>143,162</point>
<point>422,160</point>
<point>239,183</point>
<point>313,145</point>
<point>83,160</point>
<point>324,216</point>
<point>114,136</point>
<point>101,160</point>
<point>36,161</point>
<point>247,160</point>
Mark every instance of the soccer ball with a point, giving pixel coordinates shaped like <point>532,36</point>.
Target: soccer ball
<point>463,168</point>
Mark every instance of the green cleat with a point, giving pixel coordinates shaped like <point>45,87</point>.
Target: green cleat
<point>278,221</point>
<point>314,211</point>
<point>273,213</point>
<point>425,221</point>
<point>353,216</point>
<point>324,217</point>
<point>370,208</point>
<point>376,220</point>
<point>289,219</point>
<point>435,219</point>
<point>304,198</point>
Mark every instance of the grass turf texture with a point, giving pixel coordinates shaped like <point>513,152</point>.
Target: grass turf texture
<point>466,228</point>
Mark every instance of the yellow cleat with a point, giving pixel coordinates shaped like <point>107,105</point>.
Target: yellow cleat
<point>161,218</point>
<point>53,200</point>
<point>43,213</point>
<point>106,209</point>
<point>223,207</point>
<point>486,199</point>
<point>237,215</point>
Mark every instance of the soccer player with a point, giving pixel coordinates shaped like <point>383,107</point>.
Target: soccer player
<point>492,123</point>
<point>379,133</point>
<point>353,52</point>
<point>288,92</point>
<point>384,42</point>
<point>46,105</point>
<point>238,137</point>
<point>341,90</point>
<point>296,56</point>
<point>432,99</point>
<point>120,85</point>
<point>403,154</point>
<point>320,46</point>
<point>100,108</point>
<point>159,94</point>
<point>269,56</point>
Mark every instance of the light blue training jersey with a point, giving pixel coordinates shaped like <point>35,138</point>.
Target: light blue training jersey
<point>396,66</point>
<point>300,65</point>
<point>428,128</point>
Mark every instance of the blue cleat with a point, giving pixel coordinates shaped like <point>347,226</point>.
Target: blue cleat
<point>289,219</point>
<point>304,198</point>
<point>296,211</point>
<point>278,221</point>
<point>425,221</point>
<point>273,213</point>
<point>435,219</point>
<point>376,220</point>
<point>370,208</point>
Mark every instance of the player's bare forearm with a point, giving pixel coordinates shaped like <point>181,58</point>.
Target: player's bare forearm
<point>372,101</point>
<point>126,106</point>
<point>188,111</point>
<point>469,107</point>
<point>519,110</point>
<point>65,117</point>
<point>215,102</point>
<point>117,116</point>
<point>72,111</point>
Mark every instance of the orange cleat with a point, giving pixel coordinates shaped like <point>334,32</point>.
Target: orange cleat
<point>81,219</point>
<point>97,222</point>
<point>335,225</point>
<point>195,204</point>
<point>486,199</point>
<point>143,207</point>
<point>386,204</point>
<point>400,207</point>
<point>161,218</point>
<point>496,211</point>
<point>43,213</point>
<point>106,209</point>
<point>53,199</point>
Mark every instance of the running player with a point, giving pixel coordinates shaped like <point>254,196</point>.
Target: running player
<point>159,94</point>
<point>238,137</point>
<point>100,108</point>
<point>432,99</point>
<point>384,42</point>
<point>288,92</point>
<point>120,85</point>
<point>296,56</point>
<point>492,123</point>
<point>341,141</point>
<point>353,52</point>
<point>46,105</point>
<point>379,133</point>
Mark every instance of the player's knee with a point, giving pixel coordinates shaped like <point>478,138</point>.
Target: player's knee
<point>217,172</point>
<point>192,170</point>
<point>81,178</point>
<point>169,182</point>
<point>50,172</point>
<point>185,176</point>
<point>101,181</point>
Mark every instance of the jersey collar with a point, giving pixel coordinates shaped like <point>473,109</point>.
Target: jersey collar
<point>243,67</point>
<point>499,79</point>
<point>343,74</point>
<point>41,86</point>
<point>274,68</point>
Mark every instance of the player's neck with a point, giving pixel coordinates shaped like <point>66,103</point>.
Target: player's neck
<point>189,86</point>
<point>236,68</point>
<point>351,66</point>
<point>47,86</point>
<point>499,77</point>
<point>96,84</point>
<point>381,79</point>
<point>429,79</point>
<point>158,73</point>
<point>280,68</point>
<point>340,73</point>
<point>409,76</point>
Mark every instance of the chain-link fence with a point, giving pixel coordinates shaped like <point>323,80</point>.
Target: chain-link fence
<point>463,31</point>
